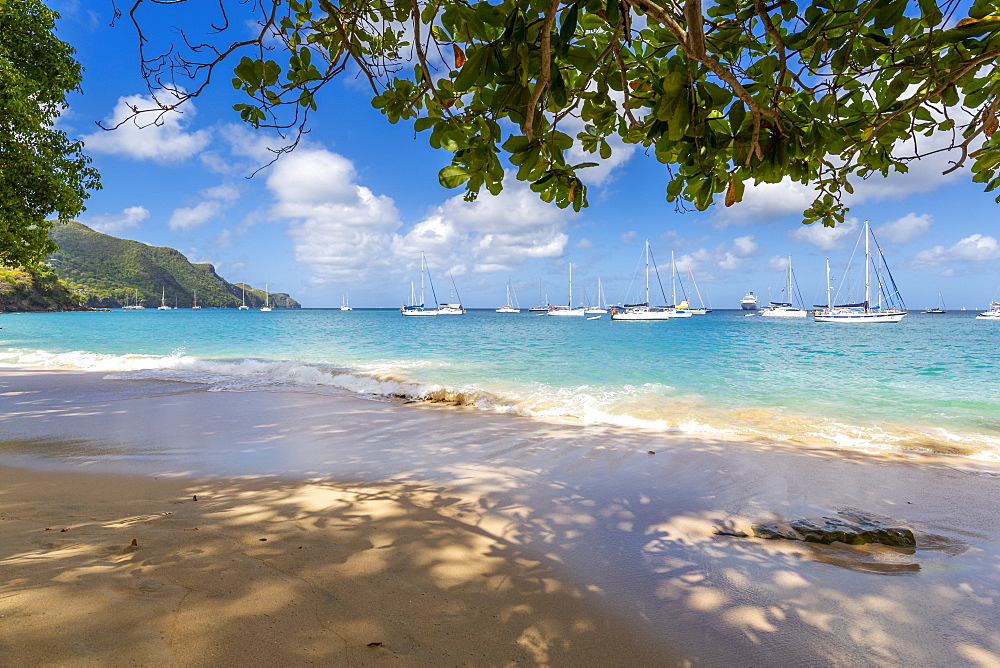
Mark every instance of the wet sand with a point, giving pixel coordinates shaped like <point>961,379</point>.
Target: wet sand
<point>330,529</point>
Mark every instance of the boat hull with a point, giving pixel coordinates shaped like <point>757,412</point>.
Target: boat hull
<point>858,317</point>
<point>578,312</point>
<point>784,313</point>
<point>641,315</point>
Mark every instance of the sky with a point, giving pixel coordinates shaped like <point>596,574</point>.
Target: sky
<point>350,211</point>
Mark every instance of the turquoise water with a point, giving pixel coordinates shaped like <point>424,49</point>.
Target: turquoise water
<point>928,383</point>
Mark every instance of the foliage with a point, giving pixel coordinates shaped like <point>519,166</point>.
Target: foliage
<point>42,172</point>
<point>724,93</point>
<point>35,289</point>
<point>109,271</point>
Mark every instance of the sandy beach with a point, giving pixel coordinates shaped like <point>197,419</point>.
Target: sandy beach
<point>294,528</point>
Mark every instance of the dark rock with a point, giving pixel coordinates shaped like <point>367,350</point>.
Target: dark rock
<point>738,533</point>
<point>860,531</point>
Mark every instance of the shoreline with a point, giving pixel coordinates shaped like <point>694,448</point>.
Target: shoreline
<point>611,548</point>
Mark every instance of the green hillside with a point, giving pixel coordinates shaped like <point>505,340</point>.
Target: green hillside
<point>35,289</point>
<point>108,271</point>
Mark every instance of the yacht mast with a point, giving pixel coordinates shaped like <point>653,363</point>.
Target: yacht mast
<point>647,272</point>
<point>867,265</point>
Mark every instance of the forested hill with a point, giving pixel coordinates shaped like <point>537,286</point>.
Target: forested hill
<point>108,271</point>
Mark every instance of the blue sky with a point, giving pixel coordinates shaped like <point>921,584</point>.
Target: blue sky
<point>352,209</point>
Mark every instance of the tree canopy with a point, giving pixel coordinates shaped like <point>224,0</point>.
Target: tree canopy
<point>43,174</point>
<point>724,93</point>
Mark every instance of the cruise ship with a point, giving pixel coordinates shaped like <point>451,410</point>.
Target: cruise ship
<point>749,302</point>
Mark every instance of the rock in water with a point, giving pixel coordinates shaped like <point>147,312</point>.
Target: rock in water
<point>828,530</point>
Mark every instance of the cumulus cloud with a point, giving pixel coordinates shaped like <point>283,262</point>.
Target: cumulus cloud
<point>494,233</point>
<point>584,243</point>
<point>112,223</point>
<point>187,218</point>
<point>629,237</point>
<point>827,238</point>
<point>766,201</point>
<point>724,258</point>
<point>340,229</point>
<point>905,229</point>
<point>165,139</point>
<point>974,249</point>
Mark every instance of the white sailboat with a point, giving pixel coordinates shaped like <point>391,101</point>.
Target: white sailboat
<point>543,304</point>
<point>194,302</point>
<point>345,303</point>
<point>567,310</point>
<point>163,301</point>
<point>701,309</point>
<point>602,305</point>
<point>992,314</point>
<point>507,308</point>
<point>452,307</point>
<point>784,309</point>
<point>675,310</point>
<point>864,312</point>
<point>136,305</point>
<point>641,311</point>
<point>267,299</point>
<point>418,309</point>
<point>243,292</point>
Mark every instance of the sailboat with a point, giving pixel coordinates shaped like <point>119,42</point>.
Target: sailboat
<point>163,301</point>
<point>784,309</point>
<point>194,302</point>
<point>862,312</point>
<point>345,304</point>
<point>543,304</point>
<point>136,304</point>
<point>267,300</point>
<point>507,308</point>
<point>682,309</point>
<point>414,308</point>
<point>243,292</point>
<point>602,305</point>
<point>940,306</point>
<point>452,308</point>
<point>641,311</point>
<point>702,309</point>
<point>567,310</point>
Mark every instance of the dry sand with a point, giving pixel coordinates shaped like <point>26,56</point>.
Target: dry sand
<point>339,531</point>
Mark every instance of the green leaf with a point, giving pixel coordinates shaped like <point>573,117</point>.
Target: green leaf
<point>453,176</point>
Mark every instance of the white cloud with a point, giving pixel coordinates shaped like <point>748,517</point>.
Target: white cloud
<point>975,249</point>
<point>629,237</point>
<point>905,229</point>
<point>584,243</point>
<point>826,238</point>
<point>112,223</point>
<point>766,201</point>
<point>187,218</point>
<point>713,263</point>
<point>778,263</point>
<point>162,138</point>
<point>340,229</point>
<point>493,233</point>
<point>223,191</point>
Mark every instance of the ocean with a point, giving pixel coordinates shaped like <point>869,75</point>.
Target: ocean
<point>927,384</point>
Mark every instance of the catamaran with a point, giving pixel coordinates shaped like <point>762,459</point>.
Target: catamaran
<point>567,310</point>
<point>163,301</point>
<point>267,297</point>
<point>893,309</point>
<point>345,304</point>
<point>641,311</point>
<point>507,308</point>
<point>194,302</point>
<point>418,309</point>
<point>135,305</point>
<point>784,309</point>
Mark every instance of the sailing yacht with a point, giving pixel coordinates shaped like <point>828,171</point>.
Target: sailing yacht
<point>243,292</point>
<point>641,311</point>
<point>163,301</point>
<point>507,308</point>
<point>136,305</point>
<point>602,305</point>
<point>543,304</point>
<point>675,310</point>
<point>940,306</point>
<point>567,310</point>
<point>702,309</point>
<point>992,314</point>
<point>194,302</point>
<point>267,299</point>
<point>863,312</point>
<point>452,308</point>
<point>418,309</point>
<point>784,309</point>
<point>345,304</point>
